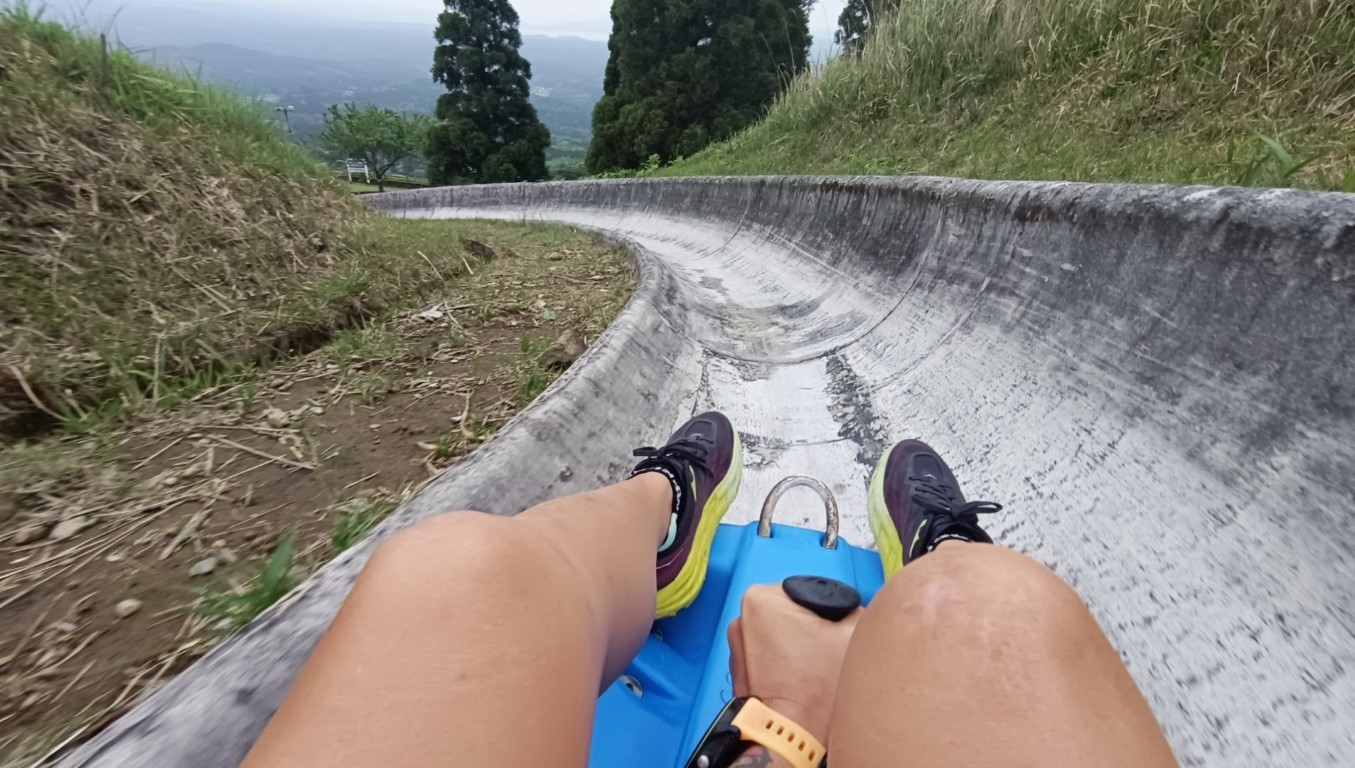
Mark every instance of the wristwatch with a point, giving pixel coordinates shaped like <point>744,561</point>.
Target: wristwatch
<point>746,722</point>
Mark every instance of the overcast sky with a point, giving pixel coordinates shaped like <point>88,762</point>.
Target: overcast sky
<point>585,18</point>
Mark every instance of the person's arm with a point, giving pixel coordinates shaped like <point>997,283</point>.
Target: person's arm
<point>760,757</point>
<point>791,660</point>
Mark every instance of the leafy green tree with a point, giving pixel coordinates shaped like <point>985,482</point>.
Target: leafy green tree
<point>857,20</point>
<point>487,130</point>
<point>381,138</point>
<point>685,73</point>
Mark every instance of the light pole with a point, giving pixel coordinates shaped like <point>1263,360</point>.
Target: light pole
<point>286,115</point>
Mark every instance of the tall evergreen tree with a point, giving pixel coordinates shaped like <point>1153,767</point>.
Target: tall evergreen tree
<point>685,73</point>
<point>487,130</point>
<point>857,20</point>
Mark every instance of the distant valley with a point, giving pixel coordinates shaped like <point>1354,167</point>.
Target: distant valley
<point>310,63</point>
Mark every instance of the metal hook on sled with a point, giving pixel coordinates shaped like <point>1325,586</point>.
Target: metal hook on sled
<point>830,531</point>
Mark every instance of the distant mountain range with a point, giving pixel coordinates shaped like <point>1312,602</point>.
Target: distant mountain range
<point>309,62</point>
<point>566,83</point>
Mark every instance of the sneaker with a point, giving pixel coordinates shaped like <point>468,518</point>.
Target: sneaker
<point>704,462</point>
<point>913,494</point>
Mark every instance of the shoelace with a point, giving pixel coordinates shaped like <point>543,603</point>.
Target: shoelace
<point>691,450</point>
<point>938,497</point>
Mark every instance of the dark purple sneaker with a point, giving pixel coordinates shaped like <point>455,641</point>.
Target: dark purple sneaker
<point>914,497</point>
<point>704,462</point>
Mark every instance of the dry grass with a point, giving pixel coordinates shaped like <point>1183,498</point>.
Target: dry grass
<point>158,235</point>
<point>222,477</point>
<point>1135,90</point>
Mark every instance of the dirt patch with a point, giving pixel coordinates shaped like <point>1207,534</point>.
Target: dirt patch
<point>126,555</point>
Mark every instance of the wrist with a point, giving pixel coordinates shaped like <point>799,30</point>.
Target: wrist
<point>810,718</point>
<point>758,756</point>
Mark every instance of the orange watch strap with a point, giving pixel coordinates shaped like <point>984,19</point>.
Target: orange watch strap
<point>763,725</point>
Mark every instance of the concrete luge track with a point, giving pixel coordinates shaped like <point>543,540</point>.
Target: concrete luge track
<point>1156,381</point>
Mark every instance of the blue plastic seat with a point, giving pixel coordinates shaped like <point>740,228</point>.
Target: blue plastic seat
<point>658,712</point>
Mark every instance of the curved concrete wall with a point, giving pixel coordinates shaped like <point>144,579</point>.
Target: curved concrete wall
<point>1156,381</point>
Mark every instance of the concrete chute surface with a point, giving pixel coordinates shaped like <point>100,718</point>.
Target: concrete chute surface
<point>1157,381</point>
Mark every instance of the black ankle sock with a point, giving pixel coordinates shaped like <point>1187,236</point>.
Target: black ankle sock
<point>953,536</point>
<point>666,471</point>
<point>961,532</point>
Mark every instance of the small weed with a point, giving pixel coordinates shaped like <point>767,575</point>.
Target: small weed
<point>346,284</point>
<point>481,311</point>
<point>482,429</point>
<point>1275,167</point>
<point>358,345</point>
<point>247,396</point>
<point>532,384</point>
<point>231,610</point>
<point>82,422</point>
<point>445,448</point>
<point>371,387</point>
<point>527,345</point>
<point>357,518</point>
<point>459,339</point>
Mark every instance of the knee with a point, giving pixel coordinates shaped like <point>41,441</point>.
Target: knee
<point>458,550</point>
<point>975,591</point>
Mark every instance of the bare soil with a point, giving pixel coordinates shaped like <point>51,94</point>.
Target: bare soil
<point>101,535</point>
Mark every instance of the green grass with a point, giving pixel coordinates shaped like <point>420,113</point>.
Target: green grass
<point>357,519</point>
<point>231,609</point>
<point>446,448</point>
<point>1257,92</point>
<point>363,343</point>
<point>532,379</point>
<point>532,384</point>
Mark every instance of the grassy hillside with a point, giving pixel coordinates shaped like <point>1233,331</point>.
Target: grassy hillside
<point>1183,91</point>
<point>158,235</point>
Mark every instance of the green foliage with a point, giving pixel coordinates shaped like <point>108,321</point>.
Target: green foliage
<point>857,18</point>
<point>357,519</point>
<point>685,73</point>
<point>445,448</point>
<point>1275,167</point>
<point>382,138</point>
<point>567,171</point>
<point>1114,90</point>
<point>233,609</point>
<point>488,130</point>
<point>362,344</point>
<point>531,385</point>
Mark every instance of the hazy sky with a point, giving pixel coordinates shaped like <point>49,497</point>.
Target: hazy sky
<point>585,18</point>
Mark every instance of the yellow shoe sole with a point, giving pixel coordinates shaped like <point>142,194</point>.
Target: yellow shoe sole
<point>685,588</point>
<point>887,539</point>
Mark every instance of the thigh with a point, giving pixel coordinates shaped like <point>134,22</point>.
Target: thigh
<point>978,656</point>
<point>462,643</point>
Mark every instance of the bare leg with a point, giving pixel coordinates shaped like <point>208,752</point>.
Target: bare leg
<point>426,663</point>
<point>976,656</point>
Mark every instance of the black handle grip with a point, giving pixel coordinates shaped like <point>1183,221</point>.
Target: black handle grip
<point>828,598</point>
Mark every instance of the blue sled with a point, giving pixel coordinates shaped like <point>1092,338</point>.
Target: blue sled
<point>658,712</point>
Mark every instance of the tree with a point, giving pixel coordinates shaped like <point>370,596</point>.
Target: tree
<point>857,20</point>
<point>487,128</point>
<point>685,73</point>
<point>381,138</point>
